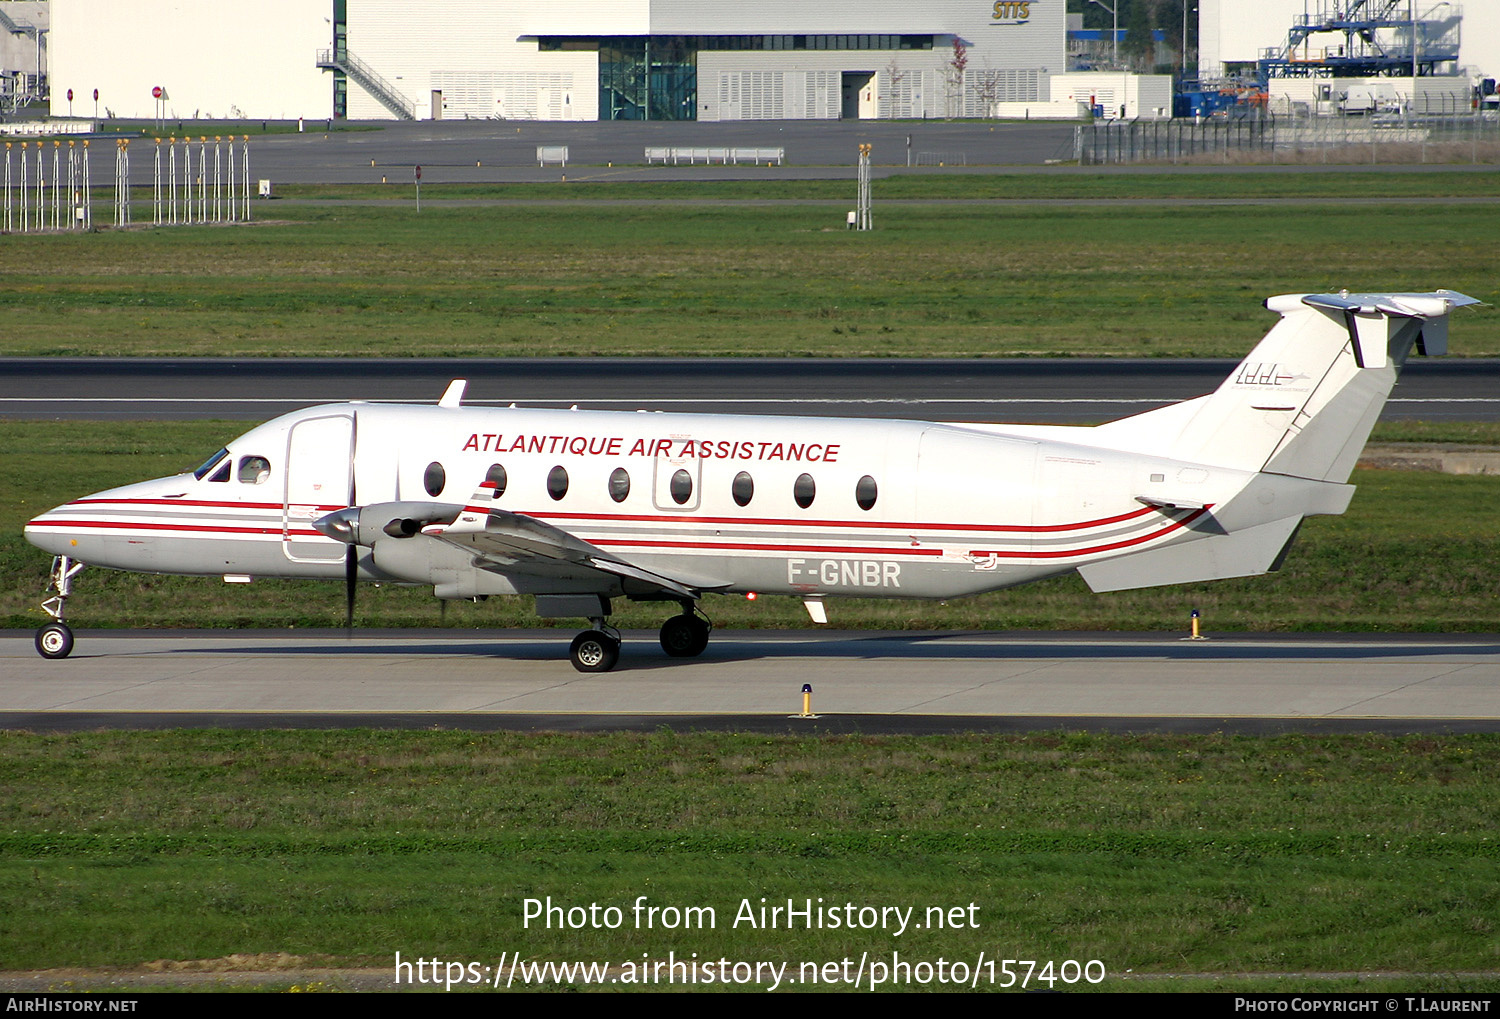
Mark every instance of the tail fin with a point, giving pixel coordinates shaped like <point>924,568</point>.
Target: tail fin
<point>1304,400</point>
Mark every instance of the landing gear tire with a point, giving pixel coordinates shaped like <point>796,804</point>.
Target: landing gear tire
<point>54,640</point>
<point>594,651</point>
<point>684,636</point>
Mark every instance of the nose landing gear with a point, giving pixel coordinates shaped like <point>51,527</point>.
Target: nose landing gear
<point>55,640</point>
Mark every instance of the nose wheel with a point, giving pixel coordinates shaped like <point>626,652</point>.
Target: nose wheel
<point>55,640</point>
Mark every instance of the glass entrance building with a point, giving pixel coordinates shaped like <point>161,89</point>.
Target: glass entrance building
<point>656,77</point>
<point>648,78</point>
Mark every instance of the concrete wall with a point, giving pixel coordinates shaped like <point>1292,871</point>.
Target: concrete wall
<point>1144,96</point>
<point>483,56</point>
<point>908,84</point>
<point>1237,30</point>
<point>213,58</point>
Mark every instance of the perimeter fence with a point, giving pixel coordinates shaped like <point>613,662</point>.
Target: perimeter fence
<point>1263,137</point>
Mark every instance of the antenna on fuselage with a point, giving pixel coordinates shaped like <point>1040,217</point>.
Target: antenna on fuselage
<point>453,396</point>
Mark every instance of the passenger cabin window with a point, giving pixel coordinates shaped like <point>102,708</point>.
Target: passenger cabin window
<point>254,470</point>
<point>804,490</point>
<point>496,476</point>
<point>681,487</point>
<point>743,488</point>
<point>434,478</point>
<point>865,492</point>
<point>557,482</point>
<point>210,464</point>
<point>619,484</point>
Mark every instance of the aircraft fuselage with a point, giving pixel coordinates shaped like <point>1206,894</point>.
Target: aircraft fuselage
<point>806,506</point>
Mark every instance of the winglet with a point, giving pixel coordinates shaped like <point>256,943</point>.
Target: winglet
<point>453,396</point>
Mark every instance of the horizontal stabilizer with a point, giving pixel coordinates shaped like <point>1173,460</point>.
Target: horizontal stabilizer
<point>1434,304</point>
<point>1244,553</point>
<point>1375,321</point>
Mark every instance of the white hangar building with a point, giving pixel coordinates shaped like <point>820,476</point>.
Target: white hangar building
<point>559,60</point>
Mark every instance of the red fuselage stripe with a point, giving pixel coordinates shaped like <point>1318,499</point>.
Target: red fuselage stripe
<point>737,547</point>
<point>211,503</point>
<point>127,525</point>
<point>853,549</point>
<point>649,544</point>
<point>899,525</point>
<point>1093,549</point>
<point>609,518</point>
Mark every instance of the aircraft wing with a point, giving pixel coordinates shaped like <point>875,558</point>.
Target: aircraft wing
<point>506,541</point>
<point>501,542</point>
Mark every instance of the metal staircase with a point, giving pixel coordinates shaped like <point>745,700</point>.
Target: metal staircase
<point>365,76</point>
<point>1380,38</point>
<point>15,28</point>
<point>19,88</point>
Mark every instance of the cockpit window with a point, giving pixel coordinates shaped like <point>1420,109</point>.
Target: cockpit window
<point>222,472</point>
<point>254,469</point>
<point>209,464</point>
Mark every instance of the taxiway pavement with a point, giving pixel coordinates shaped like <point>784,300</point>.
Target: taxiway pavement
<point>881,680</point>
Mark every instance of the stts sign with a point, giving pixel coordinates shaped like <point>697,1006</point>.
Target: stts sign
<point>1011,12</point>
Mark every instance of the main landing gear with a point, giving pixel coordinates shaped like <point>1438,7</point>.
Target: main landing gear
<point>55,640</point>
<point>685,636</point>
<point>598,649</point>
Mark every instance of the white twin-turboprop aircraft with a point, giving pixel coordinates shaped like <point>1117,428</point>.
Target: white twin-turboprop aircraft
<point>582,507</point>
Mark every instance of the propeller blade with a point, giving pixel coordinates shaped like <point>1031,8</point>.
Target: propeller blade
<point>351,560</point>
<point>351,572</point>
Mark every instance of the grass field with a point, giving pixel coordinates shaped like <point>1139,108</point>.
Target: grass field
<point>1415,552</point>
<point>1154,854</point>
<point>716,277</point>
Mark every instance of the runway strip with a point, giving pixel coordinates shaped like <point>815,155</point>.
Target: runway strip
<point>1041,389</point>
<point>871,681</point>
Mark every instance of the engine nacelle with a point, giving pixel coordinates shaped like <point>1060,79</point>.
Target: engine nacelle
<point>365,525</point>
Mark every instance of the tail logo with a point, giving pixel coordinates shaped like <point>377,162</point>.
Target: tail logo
<point>1262,373</point>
